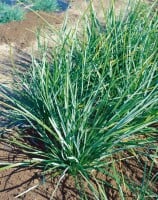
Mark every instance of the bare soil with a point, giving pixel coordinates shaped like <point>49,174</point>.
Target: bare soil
<point>15,181</point>
<point>17,42</point>
<point>22,33</point>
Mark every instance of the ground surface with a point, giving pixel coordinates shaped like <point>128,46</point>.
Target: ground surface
<point>17,41</point>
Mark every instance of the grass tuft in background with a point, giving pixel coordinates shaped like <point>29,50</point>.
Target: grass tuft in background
<point>8,13</point>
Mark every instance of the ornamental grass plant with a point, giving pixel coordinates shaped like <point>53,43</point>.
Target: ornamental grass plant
<point>47,5</point>
<point>40,5</point>
<point>8,13</point>
<point>90,101</point>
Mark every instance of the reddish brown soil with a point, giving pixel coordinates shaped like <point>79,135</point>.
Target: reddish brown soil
<point>13,182</point>
<point>16,181</point>
<point>21,36</point>
<point>22,33</point>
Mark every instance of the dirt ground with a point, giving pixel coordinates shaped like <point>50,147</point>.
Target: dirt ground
<point>17,42</point>
<point>14,182</point>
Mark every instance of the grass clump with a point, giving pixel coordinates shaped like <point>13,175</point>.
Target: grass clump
<point>39,5</point>
<point>8,13</point>
<point>93,98</point>
<point>47,5</point>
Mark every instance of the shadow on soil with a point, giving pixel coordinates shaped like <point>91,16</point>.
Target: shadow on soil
<point>21,61</point>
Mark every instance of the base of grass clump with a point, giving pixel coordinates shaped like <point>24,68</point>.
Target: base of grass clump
<point>90,103</point>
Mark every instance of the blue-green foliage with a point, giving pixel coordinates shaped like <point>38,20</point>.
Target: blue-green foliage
<point>47,5</point>
<point>89,100</point>
<point>8,13</point>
